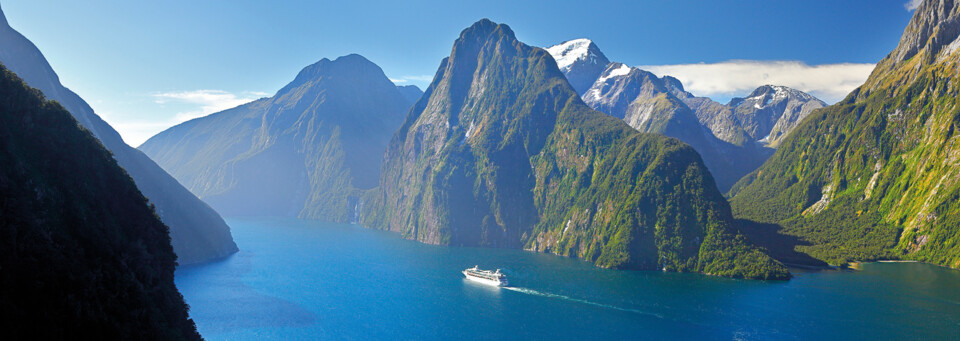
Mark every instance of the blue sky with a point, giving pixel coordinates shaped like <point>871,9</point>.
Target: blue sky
<point>146,65</point>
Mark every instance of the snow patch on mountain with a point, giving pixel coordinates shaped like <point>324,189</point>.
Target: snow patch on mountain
<point>614,70</point>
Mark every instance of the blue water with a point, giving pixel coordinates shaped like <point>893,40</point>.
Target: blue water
<point>296,280</point>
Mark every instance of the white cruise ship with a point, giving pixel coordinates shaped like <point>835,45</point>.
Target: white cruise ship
<point>494,278</point>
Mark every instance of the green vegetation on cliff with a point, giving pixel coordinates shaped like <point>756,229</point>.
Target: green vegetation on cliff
<point>82,254</point>
<point>500,151</point>
<point>876,176</point>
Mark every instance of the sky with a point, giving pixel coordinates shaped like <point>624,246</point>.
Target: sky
<point>145,66</point>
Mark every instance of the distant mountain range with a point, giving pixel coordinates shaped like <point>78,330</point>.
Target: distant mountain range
<point>877,175</point>
<point>500,151</point>
<point>199,233</point>
<point>82,254</point>
<point>307,151</point>
<point>732,139</point>
<point>766,116</point>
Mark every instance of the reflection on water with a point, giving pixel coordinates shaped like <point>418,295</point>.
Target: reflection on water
<point>220,285</point>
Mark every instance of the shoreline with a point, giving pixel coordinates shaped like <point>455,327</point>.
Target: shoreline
<point>856,265</point>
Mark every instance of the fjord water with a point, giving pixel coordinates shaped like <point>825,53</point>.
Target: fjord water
<point>297,279</point>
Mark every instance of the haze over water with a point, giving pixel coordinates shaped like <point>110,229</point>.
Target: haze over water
<point>297,279</point>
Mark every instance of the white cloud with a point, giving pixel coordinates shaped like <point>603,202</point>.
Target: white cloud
<point>190,105</point>
<point>829,82</point>
<point>421,79</point>
<point>206,101</point>
<point>912,4</point>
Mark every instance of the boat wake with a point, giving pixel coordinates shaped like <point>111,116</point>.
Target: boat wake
<point>577,300</point>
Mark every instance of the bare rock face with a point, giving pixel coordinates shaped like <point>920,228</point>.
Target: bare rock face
<point>934,25</point>
<point>931,35</point>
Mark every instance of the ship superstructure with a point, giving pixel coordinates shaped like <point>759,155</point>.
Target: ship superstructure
<point>494,278</point>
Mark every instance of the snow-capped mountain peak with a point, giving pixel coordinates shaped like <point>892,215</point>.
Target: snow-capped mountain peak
<point>578,50</point>
<point>768,94</point>
<point>581,62</point>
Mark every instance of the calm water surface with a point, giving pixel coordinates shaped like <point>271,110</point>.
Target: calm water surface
<point>297,280</point>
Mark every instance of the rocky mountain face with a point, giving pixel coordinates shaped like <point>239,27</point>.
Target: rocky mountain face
<point>307,151</point>
<point>716,117</point>
<point>722,134</point>
<point>501,151</point>
<point>82,253</point>
<point>771,111</point>
<point>876,176</point>
<point>199,233</point>
<point>765,116</point>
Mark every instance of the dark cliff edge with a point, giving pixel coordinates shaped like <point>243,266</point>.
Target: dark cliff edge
<point>199,233</point>
<point>82,253</point>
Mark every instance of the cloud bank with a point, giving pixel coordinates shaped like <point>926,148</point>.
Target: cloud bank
<point>737,78</point>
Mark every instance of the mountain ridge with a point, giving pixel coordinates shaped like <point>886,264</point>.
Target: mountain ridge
<point>306,151</point>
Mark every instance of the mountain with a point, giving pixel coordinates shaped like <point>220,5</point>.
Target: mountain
<point>716,117</point>
<point>733,139</point>
<point>771,111</point>
<point>501,152</point>
<point>875,176</point>
<point>411,93</point>
<point>765,116</point>
<point>305,152</point>
<point>82,253</point>
<point>199,234</point>
<point>581,61</point>
<point>649,104</point>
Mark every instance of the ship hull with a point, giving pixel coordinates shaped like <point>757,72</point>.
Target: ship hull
<point>484,280</point>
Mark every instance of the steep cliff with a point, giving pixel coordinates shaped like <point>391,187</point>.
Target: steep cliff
<point>199,233</point>
<point>82,253</point>
<point>500,151</point>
